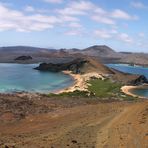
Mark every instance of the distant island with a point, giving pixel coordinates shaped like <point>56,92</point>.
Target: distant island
<point>102,52</point>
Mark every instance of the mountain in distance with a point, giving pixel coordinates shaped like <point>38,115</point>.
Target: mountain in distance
<point>108,55</point>
<point>23,49</point>
<point>10,53</point>
<point>101,52</point>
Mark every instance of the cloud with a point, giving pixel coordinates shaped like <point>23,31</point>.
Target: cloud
<point>103,34</point>
<point>113,34</point>
<point>88,9</point>
<point>31,19</point>
<point>73,32</point>
<point>104,20</point>
<point>76,8</point>
<point>94,12</point>
<point>120,14</point>
<point>138,5</point>
<point>29,9</point>
<point>16,20</point>
<point>141,34</point>
<point>54,1</point>
<point>75,25</point>
<point>125,38</point>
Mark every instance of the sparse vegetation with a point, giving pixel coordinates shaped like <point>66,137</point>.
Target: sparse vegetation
<point>76,93</point>
<point>102,89</point>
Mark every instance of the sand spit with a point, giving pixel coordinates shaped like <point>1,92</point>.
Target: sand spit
<point>80,83</point>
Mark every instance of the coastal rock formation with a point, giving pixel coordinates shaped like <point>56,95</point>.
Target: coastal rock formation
<point>74,66</point>
<point>128,79</point>
<point>23,58</point>
<point>140,80</point>
<point>80,65</point>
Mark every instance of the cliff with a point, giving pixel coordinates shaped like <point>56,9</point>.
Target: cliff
<point>79,65</point>
<point>74,66</point>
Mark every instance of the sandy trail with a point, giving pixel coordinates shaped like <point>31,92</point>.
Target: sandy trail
<point>103,125</point>
<point>128,129</point>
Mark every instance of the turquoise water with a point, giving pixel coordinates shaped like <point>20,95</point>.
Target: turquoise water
<point>133,70</point>
<point>140,92</point>
<point>22,77</point>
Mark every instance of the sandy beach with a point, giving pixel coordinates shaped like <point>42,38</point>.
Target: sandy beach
<point>80,81</point>
<point>127,90</point>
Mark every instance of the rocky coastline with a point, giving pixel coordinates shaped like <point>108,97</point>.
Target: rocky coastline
<point>78,69</point>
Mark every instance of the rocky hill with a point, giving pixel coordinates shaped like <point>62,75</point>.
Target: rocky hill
<point>79,65</point>
<point>108,55</point>
<point>90,65</point>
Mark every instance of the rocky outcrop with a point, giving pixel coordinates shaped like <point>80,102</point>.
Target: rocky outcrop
<point>128,79</point>
<point>140,80</point>
<point>75,66</point>
<point>80,65</point>
<point>23,58</point>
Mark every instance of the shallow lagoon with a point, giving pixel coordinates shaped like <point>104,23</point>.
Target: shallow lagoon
<point>22,77</point>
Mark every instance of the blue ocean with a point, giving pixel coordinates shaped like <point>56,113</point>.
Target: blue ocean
<point>22,77</point>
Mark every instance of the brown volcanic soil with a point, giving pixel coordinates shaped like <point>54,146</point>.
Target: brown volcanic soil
<point>65,122</point>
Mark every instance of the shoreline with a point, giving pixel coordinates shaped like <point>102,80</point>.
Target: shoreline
<point>80,81</point>
<point>127,90</point>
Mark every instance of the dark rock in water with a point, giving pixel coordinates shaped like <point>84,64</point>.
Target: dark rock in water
<point>23,58</point>
<point>140,80</point>
<point>74,66</point>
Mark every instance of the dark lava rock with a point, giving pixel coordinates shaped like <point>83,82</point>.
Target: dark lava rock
<point>74,141</point>
<point>140,80</point>
<point>74,66</point>
<point>23,58</point>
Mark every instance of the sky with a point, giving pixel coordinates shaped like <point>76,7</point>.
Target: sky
<point>120,24</point>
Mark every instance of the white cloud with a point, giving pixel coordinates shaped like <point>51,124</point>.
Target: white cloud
<point>73,32</point>
<point>16,20</point>
<point>125,38</point>
<point>76,8</point>
<point>103,34</point>
<point>138,5</point>
<point>31,19</point>
<point>113,34</point>
<point>94,12</point>
<point>104,20</point>
<point>29,9</point>
<point>86,8</point>
<point>82,5</point>
<point>66,18</point>
<point>141,34</point>
<point>119,14</point>
<point>54,1</point>
<point>75,25</point>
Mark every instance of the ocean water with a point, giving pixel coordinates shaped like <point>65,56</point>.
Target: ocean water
<point>22,77</point>
<point>133,70</point>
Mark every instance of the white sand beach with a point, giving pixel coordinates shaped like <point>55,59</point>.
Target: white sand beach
<point>80,81</point>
